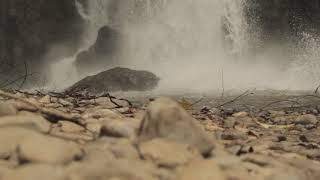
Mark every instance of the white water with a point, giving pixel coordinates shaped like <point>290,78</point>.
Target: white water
<point>184,43</point>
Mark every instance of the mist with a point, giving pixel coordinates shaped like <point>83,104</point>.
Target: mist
<point>198,46</point>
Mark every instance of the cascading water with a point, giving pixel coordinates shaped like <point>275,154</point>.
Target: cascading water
<point>163,36</point>
<point>187,43</point>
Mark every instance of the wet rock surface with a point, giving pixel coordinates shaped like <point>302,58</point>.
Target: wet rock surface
<point>171,140</point>
<point>102,53</point>
<point>118,79</point>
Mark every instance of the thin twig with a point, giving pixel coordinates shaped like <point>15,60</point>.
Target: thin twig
<point>25,75</point>
<point>222,84</point>
<point>246,93</point>
<point>317,89</point>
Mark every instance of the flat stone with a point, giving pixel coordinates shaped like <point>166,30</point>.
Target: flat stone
<point>35,171</point>
<point>7,109</point>
<point>94,128</point>
<point>70,127</point>
<point>240,114</point>
<point>45,100</point>
<point>28,121</point>
<point>165,118</point>
<point>167,153</point>
<point>10,138</point>
<point>102,113</point>
<point>111,148</point>
<point>64,102</point>
<point>123,169</point>
<point>201,170</point>
<point>121,128</point>
<point>85,136</point>
<point>38,148</point>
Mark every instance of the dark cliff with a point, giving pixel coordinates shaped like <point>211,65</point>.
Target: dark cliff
<point>30,28</point>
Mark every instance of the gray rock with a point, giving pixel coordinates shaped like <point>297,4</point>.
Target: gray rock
<point>165,118</point>
<point>167,153</point>
<point>306,119</point>
<point>117,79</point>
<point>102,53</point>
<point>102,113</point>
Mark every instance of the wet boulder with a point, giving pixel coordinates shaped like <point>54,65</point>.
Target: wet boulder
<point>102,53</point>
<point>117,79</point>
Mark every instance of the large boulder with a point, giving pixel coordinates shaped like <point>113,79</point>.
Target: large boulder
<point>117,79</point>
<point>29,29</point>
<point>102,53</point>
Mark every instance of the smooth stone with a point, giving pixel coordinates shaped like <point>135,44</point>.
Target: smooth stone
<point>8,108</point>
<point>70,127</point>
<point>165,118</point>
<point>306,119</point>
<point>121,128</point>
<point>38,148</point>
<point>166,153</point>
<point>31,121</point>
<point>201,170</point>
<point>34,172</point>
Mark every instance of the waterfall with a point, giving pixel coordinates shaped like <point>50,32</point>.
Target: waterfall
<point>164,35</point>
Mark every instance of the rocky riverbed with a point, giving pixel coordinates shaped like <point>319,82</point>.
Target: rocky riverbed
<point>58,136</point>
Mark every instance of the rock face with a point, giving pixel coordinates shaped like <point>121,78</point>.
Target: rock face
<point>102,53</point>
<point>165,118</point>
<point>29,29</point>
<point>118,79</point>
<point>280,19</point>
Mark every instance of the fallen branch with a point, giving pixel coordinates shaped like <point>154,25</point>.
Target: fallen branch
<point>25,75</point>
<point>280,101</point>
<point>245,94</point>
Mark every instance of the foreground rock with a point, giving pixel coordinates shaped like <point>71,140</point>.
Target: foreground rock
<point>31,146</point>
<point>117,79</point>
<point>168,154</point>
<point>201,170</point>
<point>165,144</point>
<point>50,150</point>
<point>36,122</point>
<point>36,171</point>
<point>165,118</point>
